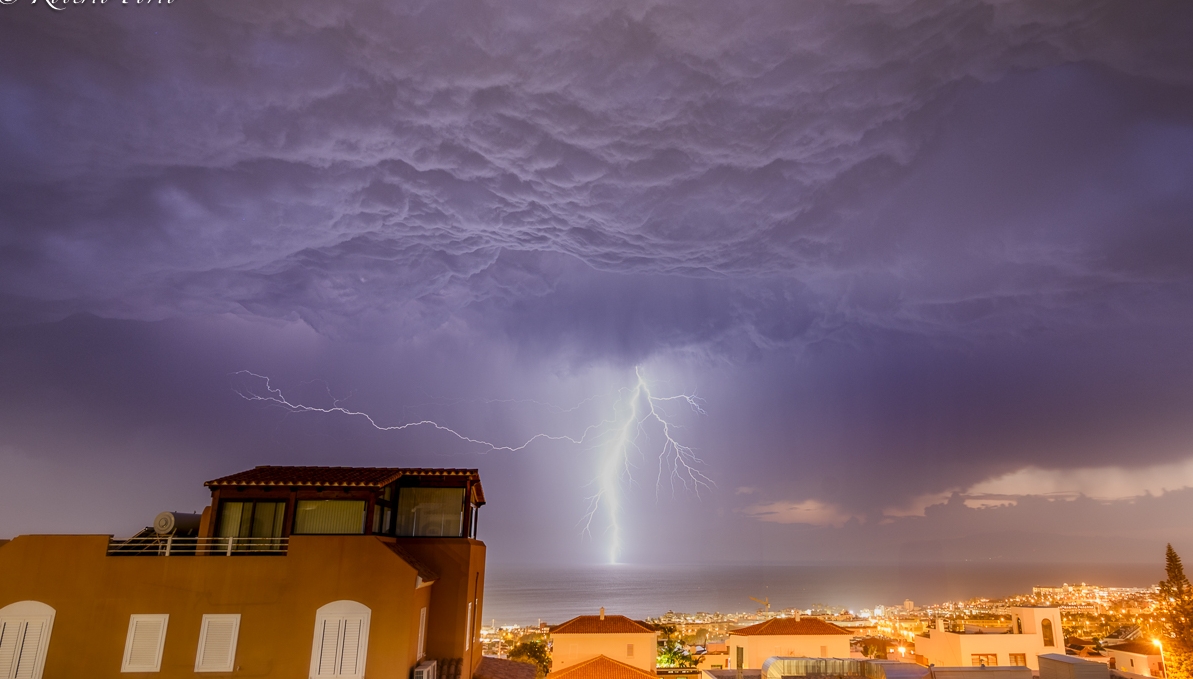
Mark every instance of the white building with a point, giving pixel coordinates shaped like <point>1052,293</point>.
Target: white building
<point>1034,630</point>
<point>749,647</point>
<point>1137,657</point>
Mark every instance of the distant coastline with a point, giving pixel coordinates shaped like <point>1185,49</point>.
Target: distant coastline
<point>523,595</point>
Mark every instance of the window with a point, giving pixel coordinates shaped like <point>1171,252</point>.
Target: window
<point>251,520</point>
<point>430,512</point>
<point>329,517</point>
<point>217,643</point>
<point>741,658</point>
<point>144,643</point>
<point>25,628</point>
<point>629,650</point>
<point>1046,628</point>
<point>1019,659</point>
<point>341,640</point>
<point>984,659</point>
<point>468,628</point>
<point>422,633</point>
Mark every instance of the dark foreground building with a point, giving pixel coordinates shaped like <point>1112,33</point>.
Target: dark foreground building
<point>290,572</point>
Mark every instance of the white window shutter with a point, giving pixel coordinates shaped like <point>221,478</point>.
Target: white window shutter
<point>329,647</point>
<point>468,628</point>
<point>422,632</point>
<point>10,631</point>
<point>217,643</point>
<point>350,648</point>
<point>145,642</point>
<point>26,657</point>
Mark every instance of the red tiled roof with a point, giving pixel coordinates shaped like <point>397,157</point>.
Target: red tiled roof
<point>594,624</point>
<point>602,667</point>
<point>790,626</point>
<point>1137,647</point>
<point>372,477</point>
<point>500,668</point>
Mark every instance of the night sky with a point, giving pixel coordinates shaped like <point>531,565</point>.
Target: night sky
<point>928,265</point>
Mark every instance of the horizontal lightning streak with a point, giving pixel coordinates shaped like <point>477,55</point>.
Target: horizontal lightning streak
<point>677,461</point>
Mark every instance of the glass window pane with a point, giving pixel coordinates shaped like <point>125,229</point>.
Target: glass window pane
<point>263,519</point>
<point>329,517</point>
<point>430,512</point>
<point>230,513</point>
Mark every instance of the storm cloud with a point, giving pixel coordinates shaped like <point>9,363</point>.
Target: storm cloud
<point>912,254</point>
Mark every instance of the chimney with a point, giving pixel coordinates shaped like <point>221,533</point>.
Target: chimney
<point>602,612</point>
<point>798,614</point>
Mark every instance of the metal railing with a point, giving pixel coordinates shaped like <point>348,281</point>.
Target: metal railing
<point>177,546</point>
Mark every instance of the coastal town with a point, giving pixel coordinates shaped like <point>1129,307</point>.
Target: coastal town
<point>1117,627</point>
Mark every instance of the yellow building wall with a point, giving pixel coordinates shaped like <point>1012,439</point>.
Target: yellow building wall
<point>569,649</point>
<point>277,596</point>
<point>762,646</point>
<point>947,649</point>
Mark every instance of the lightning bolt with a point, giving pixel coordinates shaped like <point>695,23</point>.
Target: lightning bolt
<point>616,439</point>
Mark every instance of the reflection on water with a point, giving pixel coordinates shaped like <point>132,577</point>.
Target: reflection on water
<point>524,595</point>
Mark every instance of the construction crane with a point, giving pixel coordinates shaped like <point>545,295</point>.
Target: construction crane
<point>765,602</point>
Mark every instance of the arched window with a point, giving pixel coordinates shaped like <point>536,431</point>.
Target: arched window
<point>24,637</point>
<point>1046,629</point>
<point>341,640</point>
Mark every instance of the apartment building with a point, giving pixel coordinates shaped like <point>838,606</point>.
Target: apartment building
<point>290,572</point>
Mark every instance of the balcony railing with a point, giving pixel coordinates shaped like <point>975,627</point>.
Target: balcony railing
<point>175,546</point>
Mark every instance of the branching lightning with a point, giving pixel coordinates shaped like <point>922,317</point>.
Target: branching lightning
<point>616,441</point>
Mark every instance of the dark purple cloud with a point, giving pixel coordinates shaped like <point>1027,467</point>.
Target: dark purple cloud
<point>904,249</point>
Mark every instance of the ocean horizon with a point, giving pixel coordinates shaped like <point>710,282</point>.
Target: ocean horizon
<point>524,595</point>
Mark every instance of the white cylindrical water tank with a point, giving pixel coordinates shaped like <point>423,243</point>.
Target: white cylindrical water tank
<point>171,523</point>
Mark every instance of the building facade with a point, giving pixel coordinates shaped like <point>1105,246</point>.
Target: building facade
<point>1033,631</point>
<point>1138,657</point>
<point>615,637</point>
<point>802,637</point>
<point>290,572</point>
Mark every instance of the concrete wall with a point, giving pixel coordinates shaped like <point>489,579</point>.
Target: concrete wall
<point>762,646</point>
<point>569,649</point>
<point>277,596</point>
<point>460,564</point>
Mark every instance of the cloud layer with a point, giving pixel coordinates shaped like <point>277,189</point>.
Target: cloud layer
<point>904,248</point>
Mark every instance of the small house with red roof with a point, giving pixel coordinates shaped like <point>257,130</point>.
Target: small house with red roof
<point>615,637</point>
<point>798,637</point>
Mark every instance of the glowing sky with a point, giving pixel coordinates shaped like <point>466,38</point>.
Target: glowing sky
<point>928,263</point>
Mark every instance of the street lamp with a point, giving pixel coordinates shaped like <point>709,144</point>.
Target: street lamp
<point>1163,667</point>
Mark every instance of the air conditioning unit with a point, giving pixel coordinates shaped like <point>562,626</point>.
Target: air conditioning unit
<point>425,670</point>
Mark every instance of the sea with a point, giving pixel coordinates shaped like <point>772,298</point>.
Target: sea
<point>525,595</point>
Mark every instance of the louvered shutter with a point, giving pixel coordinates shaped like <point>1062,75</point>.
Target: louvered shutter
<point>350,648</point>
<point>329,647</point>
<point>143,647</point>
<point>217,643</point>
<point>26,657</point>
<point>10,633</point>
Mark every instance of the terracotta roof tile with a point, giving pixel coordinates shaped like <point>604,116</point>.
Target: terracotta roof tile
<point>602,667</point>
<point>500,668</point>
<point>332,476</point>
<point>1137,647</point>
<point>789,627</point>
<point>594,624</point>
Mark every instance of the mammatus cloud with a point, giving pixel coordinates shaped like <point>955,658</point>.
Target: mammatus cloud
<point>904,248</point>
